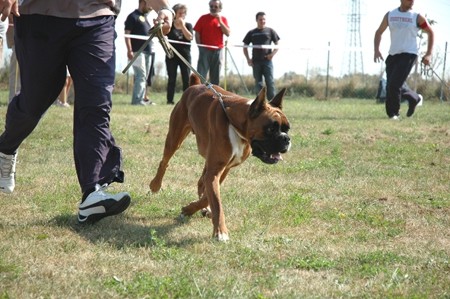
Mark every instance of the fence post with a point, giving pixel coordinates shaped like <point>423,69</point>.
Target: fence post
<point>328,71</point>
<point>443,74</point>
<point>226,65</point>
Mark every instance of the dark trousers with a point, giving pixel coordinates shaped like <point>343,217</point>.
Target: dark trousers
<point>44,46</point>
<point>398,68</point>
<point>172,65</point>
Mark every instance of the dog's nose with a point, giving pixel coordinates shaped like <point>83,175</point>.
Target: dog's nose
<point>285,137</point>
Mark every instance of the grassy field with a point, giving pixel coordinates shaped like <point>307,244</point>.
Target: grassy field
<point>359,208</point>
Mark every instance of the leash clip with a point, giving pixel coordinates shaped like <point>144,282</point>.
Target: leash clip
<point>155,31</point>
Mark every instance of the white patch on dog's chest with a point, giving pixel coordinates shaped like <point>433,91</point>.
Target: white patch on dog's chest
<point>237,145</point>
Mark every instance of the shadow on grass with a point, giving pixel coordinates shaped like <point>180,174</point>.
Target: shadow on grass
<point>125,231</point>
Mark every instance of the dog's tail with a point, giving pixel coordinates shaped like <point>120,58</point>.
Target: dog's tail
<point>194,80</point>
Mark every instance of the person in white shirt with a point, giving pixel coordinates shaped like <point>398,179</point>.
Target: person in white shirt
<point>404,24</point>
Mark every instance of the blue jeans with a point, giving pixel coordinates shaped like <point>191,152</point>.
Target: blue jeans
<point>264,69</point>
<point>45,46</point>
<point>210,60</point>
<point>141,69</point>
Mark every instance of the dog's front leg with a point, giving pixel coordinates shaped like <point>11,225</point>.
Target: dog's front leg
<point>212,189</point>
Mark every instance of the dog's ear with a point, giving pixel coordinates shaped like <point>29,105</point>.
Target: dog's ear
<point>258,104</point>
<point>277,100</point>
<point>194,80</point>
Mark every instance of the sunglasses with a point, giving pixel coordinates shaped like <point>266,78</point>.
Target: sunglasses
<point>213,6</point>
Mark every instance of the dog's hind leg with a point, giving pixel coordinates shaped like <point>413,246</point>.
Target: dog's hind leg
<point>195,206</point>
<point>201,203</point>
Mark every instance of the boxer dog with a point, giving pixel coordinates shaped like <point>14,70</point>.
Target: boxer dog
<point>226,132</point>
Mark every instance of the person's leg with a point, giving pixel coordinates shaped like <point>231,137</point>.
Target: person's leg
<point>410,95</point>
<point>268,77</point>
<point>62,98</point>
<point>43,72</point>
<point>171,66</point>
<point>148,80</point>
<point>140,80</point>
<point>203,61</point>
<point>98,159</point>
<point>257,75</point>
<point>185,72</point>
<point>393,95</point>
<point>215,66</point>
<point>398,68</point>
<point>14,80</point>
<point>38,51</point>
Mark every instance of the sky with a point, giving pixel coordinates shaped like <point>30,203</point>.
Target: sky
<point>306,28</point>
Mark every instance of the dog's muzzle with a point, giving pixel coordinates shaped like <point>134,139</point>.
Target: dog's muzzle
<point>269,150</point>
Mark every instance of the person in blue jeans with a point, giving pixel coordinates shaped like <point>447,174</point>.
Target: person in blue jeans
<point>50,36</point>
<point>404,24</point>
<point>261,60</point>
<point>138,24</point>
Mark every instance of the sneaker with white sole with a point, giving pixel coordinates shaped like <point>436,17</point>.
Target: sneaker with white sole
<point>7,172</point>
<point>100,204</point>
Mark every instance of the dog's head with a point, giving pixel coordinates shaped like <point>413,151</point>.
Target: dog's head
<point>268,127</point>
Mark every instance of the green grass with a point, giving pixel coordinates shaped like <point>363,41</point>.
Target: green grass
<point>359,208</point>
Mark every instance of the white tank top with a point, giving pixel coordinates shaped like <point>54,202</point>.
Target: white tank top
<point>403,27</point>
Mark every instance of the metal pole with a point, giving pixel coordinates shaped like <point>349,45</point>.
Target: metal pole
<point>226,65</point>
<point>443,73</point>
<point>239,74</point>
<point>328,71</point>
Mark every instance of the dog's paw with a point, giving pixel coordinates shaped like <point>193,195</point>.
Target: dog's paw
<point>183,218</point>
<point>222,237</point>
<point>155,186</point>
<point>206,212</point>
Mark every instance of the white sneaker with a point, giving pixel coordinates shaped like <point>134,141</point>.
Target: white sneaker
<point>61,104</point>
<point>100,204</point>
<point>421,100</point>
<point>7,172</point>
<point>395,117</point>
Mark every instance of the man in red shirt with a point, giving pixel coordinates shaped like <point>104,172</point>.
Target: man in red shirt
<point>209,31</point>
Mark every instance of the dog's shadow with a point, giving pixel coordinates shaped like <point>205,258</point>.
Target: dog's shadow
<point>125,231</point>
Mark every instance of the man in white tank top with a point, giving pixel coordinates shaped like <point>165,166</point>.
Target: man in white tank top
<point>404,24</point>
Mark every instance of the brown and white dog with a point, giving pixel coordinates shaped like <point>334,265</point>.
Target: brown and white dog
<point>226,135</point>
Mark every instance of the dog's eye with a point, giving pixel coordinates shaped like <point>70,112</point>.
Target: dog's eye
<point>271,129</point>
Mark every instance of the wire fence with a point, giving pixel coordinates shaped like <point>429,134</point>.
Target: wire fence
<point>322,72</point>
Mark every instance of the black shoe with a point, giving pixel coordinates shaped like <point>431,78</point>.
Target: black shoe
<point>412,106</point>
<point>100,204</point>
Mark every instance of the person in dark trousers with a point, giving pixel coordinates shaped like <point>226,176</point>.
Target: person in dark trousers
<point>404,24</point>
<point>261,60</point>
<point>181,34</point>
<point>50,36</point>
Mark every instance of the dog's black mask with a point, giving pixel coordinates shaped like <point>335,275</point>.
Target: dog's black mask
<point>276,141</point>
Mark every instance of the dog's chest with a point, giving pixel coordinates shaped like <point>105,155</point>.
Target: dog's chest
<point>239,146</point>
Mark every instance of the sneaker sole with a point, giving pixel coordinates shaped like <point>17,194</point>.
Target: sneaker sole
<point>115,209</point>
